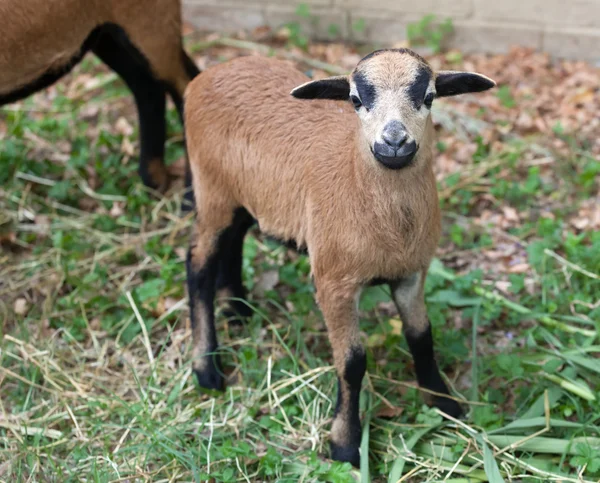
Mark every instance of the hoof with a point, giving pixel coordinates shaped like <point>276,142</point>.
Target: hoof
<point>211,376</point>
<point>345,454</point>
<point>449,406</point>
<point>157,177</point>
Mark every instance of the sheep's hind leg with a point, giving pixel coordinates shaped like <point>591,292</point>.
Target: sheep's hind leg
<point>408,297</point>
<point>206,250</point>
<point>229,277</point>
<point>115,49</point>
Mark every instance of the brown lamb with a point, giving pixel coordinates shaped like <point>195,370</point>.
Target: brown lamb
<point>351,182</point>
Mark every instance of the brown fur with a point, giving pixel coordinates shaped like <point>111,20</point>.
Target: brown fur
<point>270,162</point>
<point>245,153</point>
<point>40,35</point>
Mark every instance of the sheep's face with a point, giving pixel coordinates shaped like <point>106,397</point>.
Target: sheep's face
<point>392,92</point>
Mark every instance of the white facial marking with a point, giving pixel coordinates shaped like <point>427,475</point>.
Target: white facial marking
<point>392,75</point>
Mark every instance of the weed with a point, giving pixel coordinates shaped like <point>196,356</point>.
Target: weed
<point>95,374</point>
<point>429,32</point>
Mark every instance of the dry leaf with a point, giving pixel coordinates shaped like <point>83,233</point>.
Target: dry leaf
<point>123,127</point>
<point>117,209</point>
<point>20,306</point>
<point>519,268</point>
<point>396,326</point>
<point>127,147</point>
<point>389,412</point>
<point>267,281</point>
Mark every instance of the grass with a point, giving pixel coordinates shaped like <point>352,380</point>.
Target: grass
<point>95,376</point>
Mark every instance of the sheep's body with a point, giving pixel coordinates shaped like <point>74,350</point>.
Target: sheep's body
<point>41,40</point>
<point>290,162</point>
<point>357,191</point>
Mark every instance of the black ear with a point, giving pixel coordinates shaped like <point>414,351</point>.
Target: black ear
<point>336,88</point>
<point>451,83</point>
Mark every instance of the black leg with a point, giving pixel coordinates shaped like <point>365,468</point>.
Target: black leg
<point>204,260</point>
<point>114,48</point>
<point>347,408</point>
<point>191,69</point>
<point>409,299</point>
<point>201,290</point>
<point>426,368</point>
<point>229,277</point>
<point>337,300</point>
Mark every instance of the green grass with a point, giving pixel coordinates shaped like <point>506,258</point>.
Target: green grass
<point>95,375</point>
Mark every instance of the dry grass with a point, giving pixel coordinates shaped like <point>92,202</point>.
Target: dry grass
<point>95,377</point>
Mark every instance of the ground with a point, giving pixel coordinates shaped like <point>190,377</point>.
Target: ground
<point>95,373</point>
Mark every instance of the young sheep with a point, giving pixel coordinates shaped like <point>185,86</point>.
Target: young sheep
<point>353,184</point>
<point>42,40</point>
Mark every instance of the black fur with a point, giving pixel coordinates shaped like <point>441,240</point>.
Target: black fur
<point>291,244</point>
<point>115,49</point>
<point>356,366</point>
<point>454,83</point>
<point>190,66</point>
<point>335,88</point>
<point>230,263</point>
<point>349,453</point>
<point>416,91</point>
<point>366,90</point>
<point>223,269</point>
<point>201,286</point>
<point>428,374</point>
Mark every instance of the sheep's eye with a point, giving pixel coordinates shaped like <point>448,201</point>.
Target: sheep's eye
<point>356,101</point>
<point>429,100</point>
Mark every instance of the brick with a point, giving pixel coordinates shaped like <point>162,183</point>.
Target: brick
<point>223,18</point>
<point>379,28</point>
<point>290,3</point>
<point>440,8</point>
<point>560,13</point>
<point>564,29</point>
<point>474,36</point>
<point>573,44</point>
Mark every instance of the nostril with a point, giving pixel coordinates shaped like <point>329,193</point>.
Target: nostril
<point>395,139</point>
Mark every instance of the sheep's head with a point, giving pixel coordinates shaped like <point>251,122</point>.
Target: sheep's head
<point>392,92</point>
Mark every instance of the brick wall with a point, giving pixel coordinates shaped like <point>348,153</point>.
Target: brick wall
<point>564,28</point>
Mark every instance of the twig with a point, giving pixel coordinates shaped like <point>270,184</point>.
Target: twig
<point>569,264</point>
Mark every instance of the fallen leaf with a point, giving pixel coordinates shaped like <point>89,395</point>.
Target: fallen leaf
<point>267,281</point>
<point>116,210</point>
<point>20,306</point>
<point>396,326</point>
<point>519,268</point>
<point>388,412</point>
<point>127,147</point>
<point>123,127</point>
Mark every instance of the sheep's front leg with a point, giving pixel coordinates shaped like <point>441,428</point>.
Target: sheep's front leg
<point>338,302</point>
<point>409,299</point>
